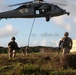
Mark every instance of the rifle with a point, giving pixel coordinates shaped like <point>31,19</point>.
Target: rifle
<point>59,48</point>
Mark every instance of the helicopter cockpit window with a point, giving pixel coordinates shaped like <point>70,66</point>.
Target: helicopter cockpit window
<point>48,8</point>
<point>56,7</point>
<point>23,10</point>
<point>21,7</point>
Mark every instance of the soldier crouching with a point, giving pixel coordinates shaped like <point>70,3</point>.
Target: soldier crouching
<point>25,50</point>
<point>12,47</point>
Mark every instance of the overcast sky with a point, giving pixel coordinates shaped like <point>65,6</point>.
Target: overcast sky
<point>44,33</point>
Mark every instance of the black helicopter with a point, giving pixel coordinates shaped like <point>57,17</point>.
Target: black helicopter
<point>34,9</point>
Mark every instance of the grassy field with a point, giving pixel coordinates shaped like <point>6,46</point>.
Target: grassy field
<point>34,64</point>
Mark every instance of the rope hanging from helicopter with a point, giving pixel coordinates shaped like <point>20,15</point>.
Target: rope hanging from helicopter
<point>31,31</point>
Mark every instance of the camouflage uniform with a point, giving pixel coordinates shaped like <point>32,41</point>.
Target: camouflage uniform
<point>12,46</point>
<point>66,43</point>
<point>24,51</point>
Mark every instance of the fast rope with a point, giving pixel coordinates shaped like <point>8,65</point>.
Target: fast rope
<point>31,31</point>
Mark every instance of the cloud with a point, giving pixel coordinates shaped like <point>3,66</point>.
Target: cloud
<point>22,44</point>
<point>35,43</point>
<point>54,43</point>
<point>7,31</point>
<point>3,7</point>
<point>1,1</point>
<point>49,34</point>
<point>62,21</point>
<point>68,27</point>
<point>43,42</point>
<point>59,20</point>
<point>74,19</point>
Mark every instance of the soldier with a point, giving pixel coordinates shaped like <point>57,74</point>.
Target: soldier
<point>12,46</point>
<point>66,43</point>
<point>24,51</point>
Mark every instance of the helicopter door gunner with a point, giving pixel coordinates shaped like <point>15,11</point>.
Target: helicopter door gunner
<point>12,46</point>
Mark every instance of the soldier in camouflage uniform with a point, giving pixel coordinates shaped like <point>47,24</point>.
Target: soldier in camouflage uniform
<point>66,43</point>
<point>12,47</point>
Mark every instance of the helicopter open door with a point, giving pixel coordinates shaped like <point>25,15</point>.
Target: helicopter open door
<point>38,11</point>
<point>43,11</point>
<point>46,9</point>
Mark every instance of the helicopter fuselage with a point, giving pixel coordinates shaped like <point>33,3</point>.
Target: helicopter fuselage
<point>35,10</point>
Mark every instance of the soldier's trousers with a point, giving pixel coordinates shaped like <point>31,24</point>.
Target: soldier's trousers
<point>66,50</point>
<point>11,53</point>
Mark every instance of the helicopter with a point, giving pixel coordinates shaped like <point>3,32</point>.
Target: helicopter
<point>34,9</point>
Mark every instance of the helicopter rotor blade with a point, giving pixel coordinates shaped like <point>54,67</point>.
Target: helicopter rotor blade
<point>55,3</point>
<point>20,4</point>
<point>60,4</point>
<point>35,1</point>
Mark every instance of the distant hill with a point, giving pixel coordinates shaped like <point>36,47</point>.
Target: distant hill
<point>33,49</point>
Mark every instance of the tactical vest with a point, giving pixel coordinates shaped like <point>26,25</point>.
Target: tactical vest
<point>66,42</point>
<point>13,45</point>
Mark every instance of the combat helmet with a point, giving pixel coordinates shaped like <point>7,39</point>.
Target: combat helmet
<point>13,38</point>
<point>66,34</point>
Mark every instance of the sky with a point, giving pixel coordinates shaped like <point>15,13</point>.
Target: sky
<point>43,33</point>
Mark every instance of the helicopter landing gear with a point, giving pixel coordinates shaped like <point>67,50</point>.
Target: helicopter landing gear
<point>47,18</point>
<point>68,13</point>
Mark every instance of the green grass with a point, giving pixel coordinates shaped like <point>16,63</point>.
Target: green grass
<point>34,64</point>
